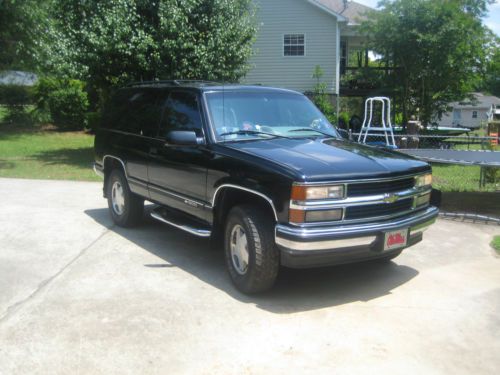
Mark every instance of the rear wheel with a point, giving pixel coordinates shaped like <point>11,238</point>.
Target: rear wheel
<point>125,207</point>
<point>252,257</point>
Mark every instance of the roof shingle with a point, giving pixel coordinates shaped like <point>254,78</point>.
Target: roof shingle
<point>353,11</point>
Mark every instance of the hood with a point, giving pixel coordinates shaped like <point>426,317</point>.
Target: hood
<point>331,159</point>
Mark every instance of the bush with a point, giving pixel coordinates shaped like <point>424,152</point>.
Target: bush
<point>93,121</point>
<point>65,100</point>
<point>321,98</point>
<point>16,99</point>
<point>13,95</point>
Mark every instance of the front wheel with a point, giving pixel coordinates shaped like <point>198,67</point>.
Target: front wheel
<point>125,207</point>
<point>252,257</point>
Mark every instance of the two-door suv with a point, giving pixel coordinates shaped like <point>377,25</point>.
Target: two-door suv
<point>262,170</point>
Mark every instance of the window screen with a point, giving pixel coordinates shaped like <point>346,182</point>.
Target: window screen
<point>294,45</point>
<point>181,113</point>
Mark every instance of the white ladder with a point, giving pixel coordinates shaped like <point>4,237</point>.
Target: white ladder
<point>386,127</point>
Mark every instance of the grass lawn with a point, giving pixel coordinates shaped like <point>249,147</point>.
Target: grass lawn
<point>459,178</point>
<point>28,152</point>
<point>46,154</point>
<point>496,243</point>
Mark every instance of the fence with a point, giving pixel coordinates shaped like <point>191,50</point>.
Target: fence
<point>443,142</point>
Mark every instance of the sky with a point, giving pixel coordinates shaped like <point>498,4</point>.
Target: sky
<point>492,21</point>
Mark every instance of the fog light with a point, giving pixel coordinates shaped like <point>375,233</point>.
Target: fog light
<point>323,215</point>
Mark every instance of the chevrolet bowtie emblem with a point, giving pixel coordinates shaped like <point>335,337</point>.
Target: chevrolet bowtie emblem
<point>390,198</point>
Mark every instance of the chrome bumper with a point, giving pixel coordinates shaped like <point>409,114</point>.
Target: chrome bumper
<point>345,236</point>
<point>98,170</point>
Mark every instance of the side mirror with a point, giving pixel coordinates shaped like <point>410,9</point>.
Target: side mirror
<point>183,138</point>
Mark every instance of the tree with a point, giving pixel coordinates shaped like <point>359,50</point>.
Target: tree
<point>108,42</point>
<point>491,82</point>
<point>437,47</point>
<point>20,25</point>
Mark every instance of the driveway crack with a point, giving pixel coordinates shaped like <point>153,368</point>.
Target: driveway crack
<point>17,305</point>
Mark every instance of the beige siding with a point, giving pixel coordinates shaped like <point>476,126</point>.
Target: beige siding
<point>278,17</point>
<point>466,118</point>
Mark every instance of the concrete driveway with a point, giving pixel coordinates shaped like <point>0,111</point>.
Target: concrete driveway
<point>78,295</point>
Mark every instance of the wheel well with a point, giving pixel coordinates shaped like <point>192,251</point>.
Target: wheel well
<point>230,197</point>
<point>110,163</point>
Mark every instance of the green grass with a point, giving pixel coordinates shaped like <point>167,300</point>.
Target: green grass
<point>27,153</point>
<point>459,178</point>
<point>496,243</point>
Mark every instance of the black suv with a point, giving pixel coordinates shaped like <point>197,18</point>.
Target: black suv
<point>262,170</point>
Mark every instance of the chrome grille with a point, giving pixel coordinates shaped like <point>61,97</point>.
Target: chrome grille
<point>379,187</point>
<point>376,210</point>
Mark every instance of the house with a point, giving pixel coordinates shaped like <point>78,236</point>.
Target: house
<point>18,78</point>
<point>295,36</point>
<point>472,113</point>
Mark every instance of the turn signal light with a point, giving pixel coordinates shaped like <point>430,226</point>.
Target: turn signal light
<point>296,216</point>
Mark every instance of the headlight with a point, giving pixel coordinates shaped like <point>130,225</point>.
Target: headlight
<point>305,193</point>
<point>423,180</point>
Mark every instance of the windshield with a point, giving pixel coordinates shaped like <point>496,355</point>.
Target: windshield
<point>250,115</point>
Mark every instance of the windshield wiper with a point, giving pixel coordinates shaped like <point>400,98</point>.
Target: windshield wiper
<point>244,132</point>
<point>312,130</point>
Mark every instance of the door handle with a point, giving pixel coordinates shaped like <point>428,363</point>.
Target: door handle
<point>153,150</point>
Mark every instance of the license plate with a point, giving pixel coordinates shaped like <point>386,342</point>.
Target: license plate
<point>395,239</point>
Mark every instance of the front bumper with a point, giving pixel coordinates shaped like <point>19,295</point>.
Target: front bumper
<point>322,246</point>
<point>99,170</point>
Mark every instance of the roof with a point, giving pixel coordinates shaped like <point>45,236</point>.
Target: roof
<point>18,78</point>
<point>481,101</point>
<point>351,11</point>
<point>207,86</point>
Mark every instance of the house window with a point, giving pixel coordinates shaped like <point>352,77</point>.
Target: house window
<point>343,57</point>
<point>474,114</point>
<point>294,45</point>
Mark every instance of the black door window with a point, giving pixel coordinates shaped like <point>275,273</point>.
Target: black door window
<point>182,112</point>
<point>135,111</point>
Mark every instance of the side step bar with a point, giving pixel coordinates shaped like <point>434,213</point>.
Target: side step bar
<point>180,222</point>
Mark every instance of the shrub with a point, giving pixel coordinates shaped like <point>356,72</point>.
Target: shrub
<point>93,121</point>
<point>16,98</point>
<point>321,98</point>
<point>65,100</point>
<point>13,95</point>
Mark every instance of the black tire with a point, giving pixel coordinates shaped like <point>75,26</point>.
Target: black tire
<point>133,205</point>
<point>263,255</point>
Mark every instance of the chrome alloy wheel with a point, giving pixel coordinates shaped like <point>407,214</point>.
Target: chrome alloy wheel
<point>239,249</point>
<point>118,198</point>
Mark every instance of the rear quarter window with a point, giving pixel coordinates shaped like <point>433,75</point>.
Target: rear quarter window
<point>135,111</point>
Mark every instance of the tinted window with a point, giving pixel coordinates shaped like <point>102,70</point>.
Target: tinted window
<point>135,111</point>
<point>181,113</point>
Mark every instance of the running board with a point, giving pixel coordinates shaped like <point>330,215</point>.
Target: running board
<point>180,222</point>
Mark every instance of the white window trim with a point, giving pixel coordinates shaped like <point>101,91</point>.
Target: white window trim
<point>283,45</point>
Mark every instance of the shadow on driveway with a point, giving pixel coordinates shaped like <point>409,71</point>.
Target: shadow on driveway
<point>295,290</point>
